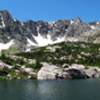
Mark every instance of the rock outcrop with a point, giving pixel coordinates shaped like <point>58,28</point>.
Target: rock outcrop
<point>75,71</point>
<point>5,66</point>
<point>8,72</point>
<point>49,72</point>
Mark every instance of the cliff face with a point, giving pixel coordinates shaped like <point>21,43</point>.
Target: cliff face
<point>26,35</point>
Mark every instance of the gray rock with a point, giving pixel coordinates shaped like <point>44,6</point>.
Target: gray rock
<point>77,66</point>
<point>26,70</point>
<point>48,72</point>
<point>77,74</point>
<point>53,72</point>
<point>93,72</point>
<point>4,66</point>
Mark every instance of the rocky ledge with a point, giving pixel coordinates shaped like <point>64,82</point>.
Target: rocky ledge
<point>74,71</point>
<point>8,72</point>
<point>49,72</point>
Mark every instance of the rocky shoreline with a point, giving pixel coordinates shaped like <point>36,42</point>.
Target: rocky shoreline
<point>74,71</point>
<point>49,72</point>
<point>8,72</point>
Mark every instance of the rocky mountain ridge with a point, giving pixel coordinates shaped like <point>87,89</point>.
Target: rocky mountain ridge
<point>26,35</point>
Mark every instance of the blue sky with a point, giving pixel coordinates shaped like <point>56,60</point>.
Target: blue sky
<point>50,10</point>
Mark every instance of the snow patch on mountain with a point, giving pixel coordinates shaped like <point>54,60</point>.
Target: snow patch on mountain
<point>30,42</point>
<point>46,41</point>
<point>3,24</point>
<point>92,27</point>
<point>71,22</point>
<point>41,41</point>
<point>5,46</point>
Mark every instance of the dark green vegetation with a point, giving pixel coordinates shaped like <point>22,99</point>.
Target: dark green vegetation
<point>87,54</point>
<point>80,53</point>
<point>59,54</point>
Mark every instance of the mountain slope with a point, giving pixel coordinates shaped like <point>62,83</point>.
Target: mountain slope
<point>77,60</point>
<point>24,36</point>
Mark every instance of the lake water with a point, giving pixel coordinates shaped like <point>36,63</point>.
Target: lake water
<point>50,90</point>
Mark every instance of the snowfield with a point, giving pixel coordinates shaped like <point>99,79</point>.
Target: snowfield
<point>5,46</point>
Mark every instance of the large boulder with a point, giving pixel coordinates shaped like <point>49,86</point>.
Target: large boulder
<point>76,71</point>
<point>93,72</point>
<point>53,72</point>
<point>77,74</point>
<point>48,72</point>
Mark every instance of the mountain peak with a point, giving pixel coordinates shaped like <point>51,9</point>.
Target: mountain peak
<point>32,34</point>
<point>5,16</point>
<point>77,20</point>
<point>5,13</point>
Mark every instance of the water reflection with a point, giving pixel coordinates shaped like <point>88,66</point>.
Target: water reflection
<point>50,90</point>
